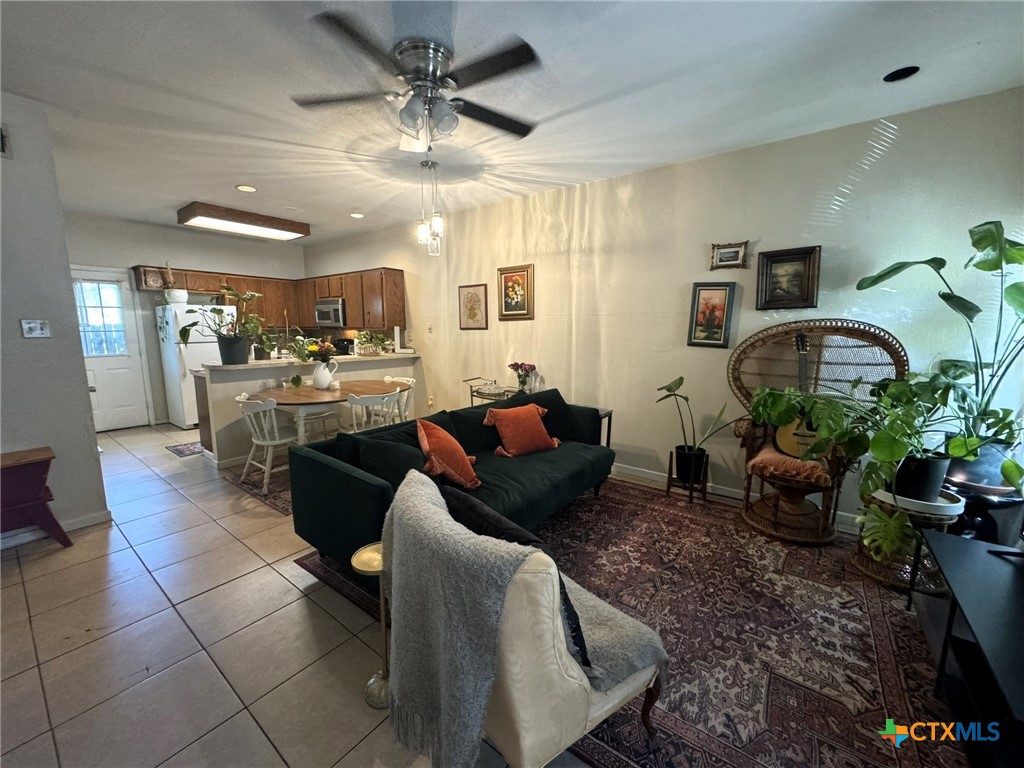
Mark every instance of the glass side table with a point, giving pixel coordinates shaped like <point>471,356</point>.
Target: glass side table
<point>487,390</point>
<point>369,561</point>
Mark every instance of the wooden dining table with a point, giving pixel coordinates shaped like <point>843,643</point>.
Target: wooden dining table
<point>307,398</point>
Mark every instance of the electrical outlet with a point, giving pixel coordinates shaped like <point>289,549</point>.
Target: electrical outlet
<point>430,402</point>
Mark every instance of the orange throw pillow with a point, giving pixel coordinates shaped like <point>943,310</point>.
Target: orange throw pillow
<point>520,429</point>
<point>445,456</point>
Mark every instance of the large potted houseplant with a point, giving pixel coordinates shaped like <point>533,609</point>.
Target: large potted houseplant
<point>972,384</point>
<point>235,334</point>
<point>690,456</point>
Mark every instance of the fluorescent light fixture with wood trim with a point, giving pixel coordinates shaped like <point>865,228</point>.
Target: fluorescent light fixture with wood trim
<point>208,216</point>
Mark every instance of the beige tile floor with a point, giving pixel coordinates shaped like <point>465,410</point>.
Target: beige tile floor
<point>183,634</point>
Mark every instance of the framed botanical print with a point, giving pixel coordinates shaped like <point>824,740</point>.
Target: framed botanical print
<point>729,255</point>
<point>515,292</point>
<point>710,315</point>
<point>788,279</point>
<point>473,307</point>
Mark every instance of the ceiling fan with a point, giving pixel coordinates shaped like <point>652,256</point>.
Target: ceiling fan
<point>426,68</point>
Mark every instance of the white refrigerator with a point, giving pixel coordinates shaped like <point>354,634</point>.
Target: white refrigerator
<point>179,359</point>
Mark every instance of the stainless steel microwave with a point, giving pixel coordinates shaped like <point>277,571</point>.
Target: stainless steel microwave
<point>330,313</point>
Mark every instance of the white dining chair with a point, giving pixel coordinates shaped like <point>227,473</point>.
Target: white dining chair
<point>404,397</point>
<point>369,411</point>
<point>261,419</point>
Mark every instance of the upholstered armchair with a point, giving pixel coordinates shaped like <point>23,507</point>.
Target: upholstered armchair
<point>832,355</point>
<point>542,701</point>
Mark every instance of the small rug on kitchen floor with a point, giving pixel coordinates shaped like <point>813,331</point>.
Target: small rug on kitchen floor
<point>335,577</point>
<point>186,449</point>
<point>279,494</point>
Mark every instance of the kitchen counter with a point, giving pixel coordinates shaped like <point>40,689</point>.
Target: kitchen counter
<point>341,360</point>
<point>228,438</point>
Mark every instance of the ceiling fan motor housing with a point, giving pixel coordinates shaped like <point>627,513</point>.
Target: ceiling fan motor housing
<point>424,60</point>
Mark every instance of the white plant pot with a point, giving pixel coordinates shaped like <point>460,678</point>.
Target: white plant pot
<point>176,296</point>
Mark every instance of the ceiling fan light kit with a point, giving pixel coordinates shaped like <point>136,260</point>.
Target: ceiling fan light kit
<point>236,222</point>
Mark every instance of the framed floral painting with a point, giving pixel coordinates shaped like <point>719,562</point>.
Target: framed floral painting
<point>710,314</point>
<point>473,307</point>
<point>515,288</point>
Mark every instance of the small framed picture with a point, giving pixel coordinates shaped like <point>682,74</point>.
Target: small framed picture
<point>515,289</point>
<point>473,307</point>
<point>711,314</point>
<point>729,255</point>
<point>788,279</point>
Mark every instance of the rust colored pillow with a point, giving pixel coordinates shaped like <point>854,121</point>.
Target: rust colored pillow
<point>520,429</point>
<point>445,456</point>
<point>769,463</point>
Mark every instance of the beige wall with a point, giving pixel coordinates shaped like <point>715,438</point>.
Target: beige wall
<point>44,391</point>
<point>616,261</point>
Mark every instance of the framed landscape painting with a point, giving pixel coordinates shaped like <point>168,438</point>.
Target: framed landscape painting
<point>473,307</point>
<point>788,279</point>
<point>729,255</point>
<point>710,314</point>
<point>515,290</point>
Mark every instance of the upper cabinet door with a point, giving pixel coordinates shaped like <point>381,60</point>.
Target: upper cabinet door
<point>305,297</point>
<point>323,287</point>
<point>243,284</point>
<point>202,282</point>
<point>394,298</point>
<point>276,301</point>
<point>352,284</point>
<point>335,288</point>
<point>373,299</point>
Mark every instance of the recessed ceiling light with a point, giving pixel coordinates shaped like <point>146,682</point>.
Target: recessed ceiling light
<point>245,187</point>
<point>357,215</point>
<point>901,74</point>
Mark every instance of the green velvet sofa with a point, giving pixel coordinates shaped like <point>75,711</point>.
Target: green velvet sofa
<point>342,487</point>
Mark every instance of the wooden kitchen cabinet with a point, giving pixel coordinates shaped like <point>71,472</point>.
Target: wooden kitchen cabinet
<point>243,284</point>
<point>335,286</point>
<point>383,299</point>
<point>201,282</point>
<point>305,298</point>
<point>278,298</point>
<point>352,288</point>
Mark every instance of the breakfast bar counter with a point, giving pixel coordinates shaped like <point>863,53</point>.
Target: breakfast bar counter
<point>227,440</point>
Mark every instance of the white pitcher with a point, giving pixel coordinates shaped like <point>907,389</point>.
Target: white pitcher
<point>324,375</point>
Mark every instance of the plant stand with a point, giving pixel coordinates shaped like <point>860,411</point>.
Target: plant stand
<point>914,571</point>
<point>670,479</point>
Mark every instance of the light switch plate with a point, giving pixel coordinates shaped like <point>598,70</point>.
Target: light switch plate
<point>35,329</point>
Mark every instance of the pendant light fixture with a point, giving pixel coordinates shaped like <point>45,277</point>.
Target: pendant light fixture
<point>430,227</point>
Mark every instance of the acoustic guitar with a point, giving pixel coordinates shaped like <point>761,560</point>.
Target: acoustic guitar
<point>795,438</point>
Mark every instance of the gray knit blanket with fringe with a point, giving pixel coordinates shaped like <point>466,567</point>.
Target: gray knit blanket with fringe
<point>447,588</point>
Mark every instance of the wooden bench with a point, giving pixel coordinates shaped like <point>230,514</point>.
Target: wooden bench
<point>24,496</point>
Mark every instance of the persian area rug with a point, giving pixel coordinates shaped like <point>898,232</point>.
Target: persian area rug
<point>186,449</point>
<point>333,575</point>
<point>781,655</point>
<point>279,494</point>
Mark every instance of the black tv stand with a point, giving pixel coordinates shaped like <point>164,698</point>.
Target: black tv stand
<point>977,632</point>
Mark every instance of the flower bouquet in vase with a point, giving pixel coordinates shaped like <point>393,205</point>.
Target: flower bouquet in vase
<point>523,372</point>
<point>322,351</point>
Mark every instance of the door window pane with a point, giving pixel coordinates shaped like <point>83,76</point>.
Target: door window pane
<point>100,318</point>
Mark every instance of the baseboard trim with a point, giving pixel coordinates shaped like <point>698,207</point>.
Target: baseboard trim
<point>844,520</point>
<point>25,535</point>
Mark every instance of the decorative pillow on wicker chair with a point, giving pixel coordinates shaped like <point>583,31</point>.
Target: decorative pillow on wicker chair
<point>445,456</point>
<point>521,430</point>
<point>770,464</point>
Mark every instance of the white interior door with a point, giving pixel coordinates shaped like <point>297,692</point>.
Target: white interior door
<point>113,355</point>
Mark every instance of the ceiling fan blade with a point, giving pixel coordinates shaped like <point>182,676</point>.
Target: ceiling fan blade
<point>347,28</point>
<point>489,116</point>
<point>310,102</point>
<point>507,60</point>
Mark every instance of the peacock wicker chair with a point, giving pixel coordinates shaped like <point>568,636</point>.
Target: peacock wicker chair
<point>838,353</point>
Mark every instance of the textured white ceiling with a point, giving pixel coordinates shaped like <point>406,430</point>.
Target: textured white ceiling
<point>156,104</point>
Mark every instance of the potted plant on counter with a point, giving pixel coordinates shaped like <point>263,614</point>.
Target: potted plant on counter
<point>235,331</point>
<point>690,457</point>
<point>972,384</point>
